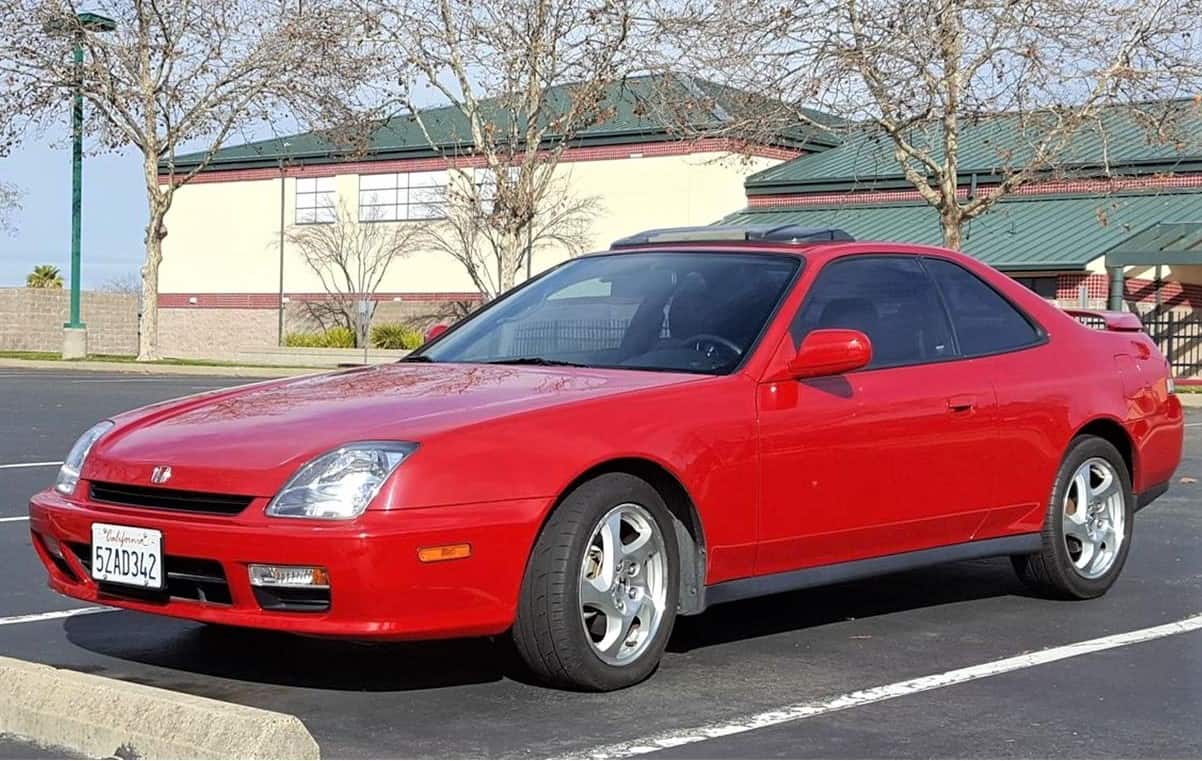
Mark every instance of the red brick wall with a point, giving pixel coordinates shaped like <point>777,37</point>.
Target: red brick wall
<point>272,300</point>
<point>1173,295</point>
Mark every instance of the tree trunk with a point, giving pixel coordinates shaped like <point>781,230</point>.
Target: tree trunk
<point>148,326</point>
<point>508,263</point>
<point>951,222</point>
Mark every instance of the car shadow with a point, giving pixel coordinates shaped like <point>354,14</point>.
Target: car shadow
<point>945,584</point>
<point>280,658</point>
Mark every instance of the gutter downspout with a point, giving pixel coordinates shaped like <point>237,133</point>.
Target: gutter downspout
<point>1115,292</point>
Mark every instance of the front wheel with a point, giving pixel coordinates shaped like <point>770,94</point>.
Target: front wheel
<point>1087,530</point>
<point>599,598</point>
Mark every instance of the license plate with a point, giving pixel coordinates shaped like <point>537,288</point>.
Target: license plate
<point>127,555</point>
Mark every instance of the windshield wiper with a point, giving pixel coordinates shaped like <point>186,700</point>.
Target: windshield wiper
<point>541,361</point>
<point>415,358</point>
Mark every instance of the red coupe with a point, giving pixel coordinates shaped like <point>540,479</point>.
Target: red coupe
<point>694,416</point>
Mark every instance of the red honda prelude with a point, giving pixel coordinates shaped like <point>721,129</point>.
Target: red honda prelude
<point>694,416</point>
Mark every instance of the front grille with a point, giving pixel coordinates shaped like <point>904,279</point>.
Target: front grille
<point>187,579</point>
<point>169,499</point>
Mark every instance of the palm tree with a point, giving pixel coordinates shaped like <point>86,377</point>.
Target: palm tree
<point>44,276</point>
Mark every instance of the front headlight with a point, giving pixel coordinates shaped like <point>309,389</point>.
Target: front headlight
<point>68,474</point>
<point>339,485</point>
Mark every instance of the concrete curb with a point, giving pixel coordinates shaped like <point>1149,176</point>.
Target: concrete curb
<point>1192,399</point>
<point>133,368</point>
<point>101,718</point>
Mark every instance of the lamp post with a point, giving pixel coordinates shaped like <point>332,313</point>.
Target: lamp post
<point>75,337</point>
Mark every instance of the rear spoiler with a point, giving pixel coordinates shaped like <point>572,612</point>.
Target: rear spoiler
<point>1122,322</point>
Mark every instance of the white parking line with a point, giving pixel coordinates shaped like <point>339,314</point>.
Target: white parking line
<point>1191,425</point>
<point>40,377</point>
<point>13,465</point>
<point>14,518</point>
<point>173,378</point>
<point>162,379</point>
<point>886,692</point>
<point>51,615</point>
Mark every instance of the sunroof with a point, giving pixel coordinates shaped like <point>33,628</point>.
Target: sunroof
<point>715,233</point>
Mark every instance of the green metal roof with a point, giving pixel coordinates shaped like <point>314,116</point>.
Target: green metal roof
<point>631,104</point>
<point>1122,138</point>
<point>1161,243</point>
<point>1019,233</point>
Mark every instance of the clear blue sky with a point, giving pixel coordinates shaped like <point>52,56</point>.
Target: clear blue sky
<point>114,208</point>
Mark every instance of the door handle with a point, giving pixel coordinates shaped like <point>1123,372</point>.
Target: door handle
<point>961,403</point>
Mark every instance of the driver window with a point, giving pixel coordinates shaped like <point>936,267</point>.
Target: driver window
<point>890,299</point>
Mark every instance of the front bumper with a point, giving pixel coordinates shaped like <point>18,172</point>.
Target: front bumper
<point>378,587</point>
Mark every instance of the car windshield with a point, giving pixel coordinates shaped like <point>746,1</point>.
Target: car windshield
<point>690,312</point>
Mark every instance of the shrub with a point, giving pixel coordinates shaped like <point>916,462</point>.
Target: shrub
<point>395,335</point>
<point>334,338</point>
<point>340,338</point>
<point>307,340</point>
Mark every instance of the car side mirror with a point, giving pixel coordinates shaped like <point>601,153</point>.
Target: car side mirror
<point>435,331</point>
<point>831,352</point>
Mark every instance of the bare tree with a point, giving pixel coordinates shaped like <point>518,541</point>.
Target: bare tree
<point>918,73</point>
<point>175,76</point>
<point>10,204</point>
<point>129,283</point>
<point>351,257</point>
<point>523,79</point>
<point>471,234</point>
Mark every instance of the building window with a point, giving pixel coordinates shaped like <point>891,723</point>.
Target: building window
<point>1045,286</point>
<point>486,186</point>
<point>400,197</point>
<point>315,200</point>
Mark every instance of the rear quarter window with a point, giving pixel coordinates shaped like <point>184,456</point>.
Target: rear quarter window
<point>985,321</point>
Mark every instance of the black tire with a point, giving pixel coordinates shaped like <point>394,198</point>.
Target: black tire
<point>548,633</point>
<point>1050,572</point>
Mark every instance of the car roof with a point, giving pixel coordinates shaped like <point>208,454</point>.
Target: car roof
<point>820,242</point>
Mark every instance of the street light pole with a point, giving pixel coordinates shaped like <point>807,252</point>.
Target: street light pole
<point>75,337</point>
<point>76,180</point>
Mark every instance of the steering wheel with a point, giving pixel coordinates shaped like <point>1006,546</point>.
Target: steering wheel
<point>712,346</point>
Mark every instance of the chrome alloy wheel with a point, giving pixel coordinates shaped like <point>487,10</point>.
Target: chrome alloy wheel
<point>623,584</point>
<point>1094,523</point>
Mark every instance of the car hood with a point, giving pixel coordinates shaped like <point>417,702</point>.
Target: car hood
<point>249,440</point>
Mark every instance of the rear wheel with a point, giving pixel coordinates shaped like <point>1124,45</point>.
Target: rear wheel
<point>1087,531</point>
<point>599,597</point>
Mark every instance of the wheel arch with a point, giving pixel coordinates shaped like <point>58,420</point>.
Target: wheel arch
<point>690,534</point>
<point>1113,431</point>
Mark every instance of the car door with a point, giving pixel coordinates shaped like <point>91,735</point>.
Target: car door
<point>1013,350</point>
<point>887,459</point>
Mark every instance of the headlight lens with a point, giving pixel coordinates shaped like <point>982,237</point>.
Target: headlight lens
<point>68,474</point>
<point>339,485</point>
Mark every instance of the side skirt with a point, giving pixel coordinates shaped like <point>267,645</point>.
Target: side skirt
<point>818,576</point>
<point>1145,498</point>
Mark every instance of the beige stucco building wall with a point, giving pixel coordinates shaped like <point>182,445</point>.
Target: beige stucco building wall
<point>223,237</point>
<point>1182,273</point>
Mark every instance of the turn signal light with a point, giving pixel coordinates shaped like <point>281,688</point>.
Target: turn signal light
<point>444,552</point>
<point>288,576</point>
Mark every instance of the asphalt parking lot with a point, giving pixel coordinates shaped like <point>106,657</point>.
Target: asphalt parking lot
<point>747,659</point>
